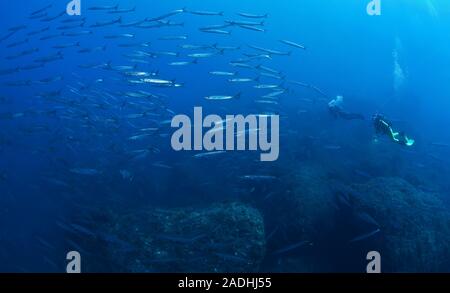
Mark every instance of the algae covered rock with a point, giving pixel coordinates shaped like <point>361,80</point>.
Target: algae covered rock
<point>415,224</point>
<point>218,238</point>
<point>309,209</point>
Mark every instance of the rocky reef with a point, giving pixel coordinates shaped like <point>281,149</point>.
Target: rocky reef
<point>219,238</point>
<point>342,223</point>
<point>415,225</point>
<point>318,224</point>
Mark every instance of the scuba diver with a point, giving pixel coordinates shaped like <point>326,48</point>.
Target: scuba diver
<point>383,126</point>
<point>336,110</point>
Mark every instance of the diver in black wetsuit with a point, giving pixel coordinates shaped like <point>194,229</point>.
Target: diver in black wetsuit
<point>383,126</point>
<point>336,110</point>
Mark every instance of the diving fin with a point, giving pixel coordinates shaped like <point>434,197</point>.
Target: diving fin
<point>409,141</point>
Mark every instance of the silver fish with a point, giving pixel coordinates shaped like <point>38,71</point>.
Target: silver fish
<point>215,98</point>
<point>248,15</point>
<point>206,13</point>
<point>208,154</point>
<point>292,44</point>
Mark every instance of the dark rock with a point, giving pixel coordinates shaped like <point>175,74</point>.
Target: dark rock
<point>415,224</point>
<point>219,238</point>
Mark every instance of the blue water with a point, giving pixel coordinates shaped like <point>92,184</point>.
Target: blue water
<point>348,53</point>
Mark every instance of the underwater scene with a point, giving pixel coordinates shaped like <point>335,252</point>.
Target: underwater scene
<point>150,136</point>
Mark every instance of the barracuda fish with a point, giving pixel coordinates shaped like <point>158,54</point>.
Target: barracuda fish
<point>126,175</point>
<point>215,27</point>
<point>242,65</point>
<point>23,53</point>
<point>161,165</point>
<point>226,48</point>
<point>133,23</point>
<point>274,76</point>
<point>216,98</point>
<point>49,37</point>
<point>119,36</point>
<point>314,88</point>
<point>65,46</point>
<point>157,81</point>
<point>292,44</point>
<point>365,235</point>
<point>50,79</point>
<point>74,19</point>
<point>38,16</point>
<point>106,23</point>
<point>266,102</point>
<point>173,54</point>
<point>223,73</point>
<point>42,9</point>
<point>292,247</point>
<point>51,18</point>
<point>77,34</point>
<point>32,66</point>
<point>173,38</point>
<point>332,147</point>
<point>248,15</point>
<point>267,69</point>
<point>182,63</point>
<point>67,27</point>
<point>135,81</point>
<point>216,31</point>
<point>275,94</point>
<point>139,137</point>
<point>51,94</point>
<point>253,28</point>
<point>139,54</point>
<point>116,11</point>
<point>94,66</point>
<point>18,43</point>
<point>196,47</point>
<point>139,94</point>
<point>9,70</point>
<point>208,154</point>
<point>91,50</point>
<point>122,67</point>
<point>271,52</point>
<point>243,79</point>
<point>149,26</point>
<point>50,58</point>
<point>146,44</point>
<point>201,55</point>
<point>247,23</point>
<point>7,36</point>
<point>138,61</point>
<point>85,171</point>
<point>258,56</point>
<point>104,7</point>
<point>140,73</point>
<point>17,28</point>
<point>266,86</point>
<point>39,31</point>
<point>175,12</point>
<point>170,23</point>
<point>205,13</point>
<point>258,177</point>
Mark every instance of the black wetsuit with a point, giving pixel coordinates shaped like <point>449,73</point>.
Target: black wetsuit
<point>384,126</point>
<point>337,112</point>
